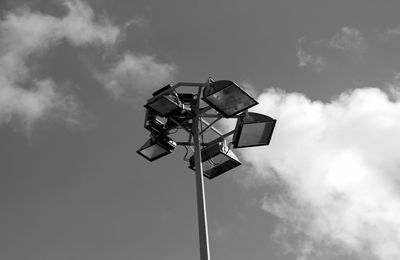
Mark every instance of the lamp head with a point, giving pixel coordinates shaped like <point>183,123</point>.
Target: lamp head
<point>217,158</point>
<point>227,98</point>
<point>153,124</point>
<point>165,105</point>
<point>156,147</point>
<point>253,129</point>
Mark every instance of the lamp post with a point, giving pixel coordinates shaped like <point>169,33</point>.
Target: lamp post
<point>184,111</point>
<point>201,202</point>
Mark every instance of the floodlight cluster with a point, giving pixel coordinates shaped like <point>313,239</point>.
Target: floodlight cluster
<point>169,111</point>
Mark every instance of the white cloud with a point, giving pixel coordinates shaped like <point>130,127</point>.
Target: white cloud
<point>334,169</point>
<point>34,104</point>
<point>393,31</point>
<point>138,22</point>
<point>307,60</point>
<point>24,34</point>
<point>79,27</point>
<point>136,74</point>
<point>348,40</point>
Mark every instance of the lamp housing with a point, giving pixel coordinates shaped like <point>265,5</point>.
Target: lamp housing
<point>153,124</point>
<point>227,98</point>
<point>253,129</point>
<point>217,158</point>
<point>156,147</point>
<point>165,105</point>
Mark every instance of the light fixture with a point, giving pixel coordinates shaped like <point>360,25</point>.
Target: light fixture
<point>253,129</point>
<point>165,105</point>
<point>227,98</point>
<point>186,98</point>
<point>165,101</point>
<point>217,158</point>
<point>156,147</point>
<point>171,110</point>
<point>153,124</point>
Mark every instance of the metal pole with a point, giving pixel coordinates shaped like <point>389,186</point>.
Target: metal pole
<point>201,203</point>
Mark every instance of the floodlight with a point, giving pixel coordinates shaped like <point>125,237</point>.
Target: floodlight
<point>163,90</point>
<point>157,147</point>
<point>227,98</point>
<point>217,158</point>
<point>253,129</point>
<point>165,105</point>
<point>153,124</point>
<point>186,98</point>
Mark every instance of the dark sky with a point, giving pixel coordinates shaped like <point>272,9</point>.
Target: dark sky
<point>74,76</point>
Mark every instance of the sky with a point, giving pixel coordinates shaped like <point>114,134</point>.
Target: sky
<point>75,74</point>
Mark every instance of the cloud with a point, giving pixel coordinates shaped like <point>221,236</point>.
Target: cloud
<point>306,59</point>
<point>25,35</point>
<point>29,106</point>
<point>138,22</point>
<point>136,75</point>
<point>334,171</point>
<point>393,31</point>
<point>348,40</point>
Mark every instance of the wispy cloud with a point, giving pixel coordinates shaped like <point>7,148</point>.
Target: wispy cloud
<point>348,40</point>
<point>135,75</point>
<point>138,22</point>
<point>334,171</point>
<point>25,35</point>
<point>308,60</point>
<point>393,31</point>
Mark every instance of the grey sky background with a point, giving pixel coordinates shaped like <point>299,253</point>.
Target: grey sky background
<point>74,76</point>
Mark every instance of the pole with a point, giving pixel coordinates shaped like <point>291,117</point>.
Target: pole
<point>201,203</point>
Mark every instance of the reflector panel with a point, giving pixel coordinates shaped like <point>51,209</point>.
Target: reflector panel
<point>154,151</point>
